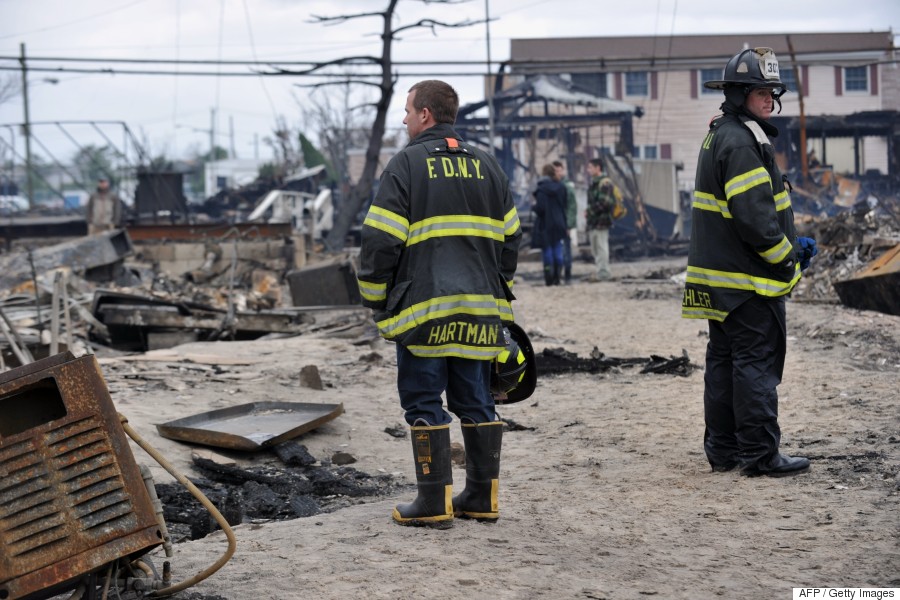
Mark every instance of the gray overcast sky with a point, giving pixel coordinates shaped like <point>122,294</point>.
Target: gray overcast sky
<point>173,114</point>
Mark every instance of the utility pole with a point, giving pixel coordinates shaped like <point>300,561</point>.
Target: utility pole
<point>490,88</point>
<point>211,163</point>
<point>231,136</point>
<point>212,134</point>
<point>804,156</point>
<point>29,186</point>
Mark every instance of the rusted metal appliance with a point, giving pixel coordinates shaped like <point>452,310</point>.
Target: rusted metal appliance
<point>72,498</point>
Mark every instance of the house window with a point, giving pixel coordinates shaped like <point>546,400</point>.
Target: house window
<point>709,75</point>
<point>595,83</point>
<point>856,79</point>
<point>649,152</point>
<point>789,79</point>
<point>637,83</point>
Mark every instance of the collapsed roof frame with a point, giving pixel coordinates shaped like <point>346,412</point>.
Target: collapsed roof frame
<point>510,124</point>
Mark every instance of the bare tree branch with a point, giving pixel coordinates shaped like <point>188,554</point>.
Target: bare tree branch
<point>339,19</point>
<point>341,82</point>
<point>431,24</point>
<point>10,87</point>
<point>338,62</point>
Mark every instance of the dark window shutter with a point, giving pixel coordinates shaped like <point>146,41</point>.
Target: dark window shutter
<point>805,75</point>
<point>838,83</point>
<point>665,151</point>
<point>694,84</point>
<point>618,77</point>
<point>653,83</point>
<point>873,75</point>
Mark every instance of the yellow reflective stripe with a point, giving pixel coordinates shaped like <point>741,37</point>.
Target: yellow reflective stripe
<point>778,252</point>
<point>372,291</point>
<point>745,181</point>
<point>455,225</point>
<point>706,201</point>
<point>782,200</point>
<point>695,312</point>
<point>436,308</point>
<point>742,281</point>
<point>511,221</point>
<point>511,283</point>
<point>387,221</point>
<point>456,351</point>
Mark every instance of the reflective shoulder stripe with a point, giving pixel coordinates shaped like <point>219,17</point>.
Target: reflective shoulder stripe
<point>387,221</point>
<point>456,351</point>
<point>778,252</point>
<point>705,201</point>
<point>455,225</point>
<point>445,306</point>
<point>374,292</point>
<point>745,181</point>
<point>696,312</point>
<point>782,200</point>
<point>511,221</point>
<point>742,281</point>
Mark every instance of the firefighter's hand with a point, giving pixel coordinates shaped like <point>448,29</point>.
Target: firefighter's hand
<point>808,249</point>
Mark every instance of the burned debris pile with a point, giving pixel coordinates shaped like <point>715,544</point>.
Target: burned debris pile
<point>554,361</point>
<point>857,263</point>
<point>145,288</point>
<point>299,486</point>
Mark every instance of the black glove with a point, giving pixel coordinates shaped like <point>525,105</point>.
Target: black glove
<point>807,250</point>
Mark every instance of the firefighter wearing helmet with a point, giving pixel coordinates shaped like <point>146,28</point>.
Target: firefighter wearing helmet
<point>745,258</point>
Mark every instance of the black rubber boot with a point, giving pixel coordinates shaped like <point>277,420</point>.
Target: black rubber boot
<point>548,275</point>
<point>556,274</point>
<point>779,465</point>
<point>479,499</point>
<point>433,506</point>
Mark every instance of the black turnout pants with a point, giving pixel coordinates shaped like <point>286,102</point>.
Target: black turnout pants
<point>744,364</point>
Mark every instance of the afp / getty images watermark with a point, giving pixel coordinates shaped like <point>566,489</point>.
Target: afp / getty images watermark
<point>849,593</point>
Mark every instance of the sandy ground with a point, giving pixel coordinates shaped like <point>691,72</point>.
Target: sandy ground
<point>608,496</point>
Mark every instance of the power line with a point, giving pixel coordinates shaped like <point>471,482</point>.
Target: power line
<point>240,74</point>
<point>251,63</point>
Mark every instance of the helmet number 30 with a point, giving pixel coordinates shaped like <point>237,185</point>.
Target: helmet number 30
<point>770,68</point>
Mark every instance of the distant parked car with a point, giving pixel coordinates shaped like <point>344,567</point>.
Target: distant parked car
<point>12,204</point>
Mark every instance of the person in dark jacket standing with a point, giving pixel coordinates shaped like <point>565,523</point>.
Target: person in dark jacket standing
<point>439,252</point>
<point>550,231</point>
<point>571,241</point>
<point>744,259</point>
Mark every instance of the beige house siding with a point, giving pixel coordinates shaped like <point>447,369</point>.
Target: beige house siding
<point>890,86</point>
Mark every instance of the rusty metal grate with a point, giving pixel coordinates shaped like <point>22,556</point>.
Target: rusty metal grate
<point>71,496</point>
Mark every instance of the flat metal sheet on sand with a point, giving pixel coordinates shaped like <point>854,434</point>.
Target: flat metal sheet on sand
<point>252,426</point>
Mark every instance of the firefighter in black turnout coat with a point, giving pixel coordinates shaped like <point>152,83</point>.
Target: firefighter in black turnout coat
<point>439,251</point>
<point>745,258</point>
